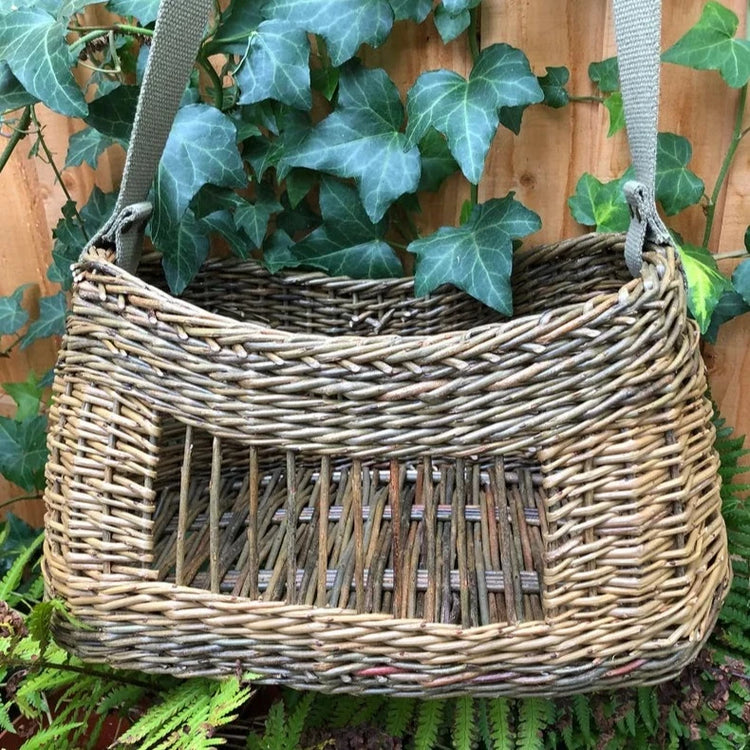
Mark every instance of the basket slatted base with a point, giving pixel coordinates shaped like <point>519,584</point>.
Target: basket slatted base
<point>343,497</point>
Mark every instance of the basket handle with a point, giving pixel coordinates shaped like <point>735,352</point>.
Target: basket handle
<point>177,37</point>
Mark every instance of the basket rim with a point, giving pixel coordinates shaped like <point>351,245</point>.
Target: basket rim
<point>658,262</point>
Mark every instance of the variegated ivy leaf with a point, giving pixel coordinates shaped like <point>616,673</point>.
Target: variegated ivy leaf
<point>711,45</point>
<point>706,284</point>
<point>347,243</point>
<point>466,112</point>
<point>361,139</point>
<point>32,44</point>
<point>600,205</point>
<point>345,24</point>
<point>477,256</point>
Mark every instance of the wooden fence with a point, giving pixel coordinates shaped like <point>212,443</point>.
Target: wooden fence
<point>542,165</point>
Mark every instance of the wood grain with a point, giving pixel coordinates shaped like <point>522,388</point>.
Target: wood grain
<point>542,164</point>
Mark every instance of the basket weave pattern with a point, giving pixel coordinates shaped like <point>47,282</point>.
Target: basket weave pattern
<point>334,485</point>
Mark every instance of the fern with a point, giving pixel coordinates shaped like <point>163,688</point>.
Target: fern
<point>275,735</point>
<point>533,717</point>
<point>398,715</point>
<point>5,722</point>
<point>429,720</point>
<point>648,709</point>
<point>51,736</point>
<point>582,712</point>
<point>464,725</point>
<point>187,715</point>
<point>503,737</point>
<point>12,579</point>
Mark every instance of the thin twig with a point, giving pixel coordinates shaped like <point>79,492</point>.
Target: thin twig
<point>19,133</point>
<point>51,162</point>
<point>737,135</point>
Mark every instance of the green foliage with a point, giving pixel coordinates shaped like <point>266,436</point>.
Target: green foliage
<point>361,140</point>
<point>23,451</point>
<point>711,45</point>
<point>706,284</point>
<point>430,715</point>
<point>451,24</point>
<point>478,255</point>
<point>600,204</point>
<point>51,320</point>
<point>465,111</point>
<point>553,87</point>
<point>676,186</point>
<point>12,315</point>
<point>85,147</point>
<point>33,46</point>
<point>464,724</point>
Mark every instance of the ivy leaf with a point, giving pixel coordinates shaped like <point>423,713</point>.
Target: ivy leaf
<point>361,139</point>
<point>276,66</point>
<point>144,10</point>
<point>676,186</point>
<point>553,87</point>
<point>711,45</point>
<point>478,256</point>
<point>299,182</point>
<point>345,24</point>
<point>51,320</point>
<point>456,6</point>
<point>201,150</point>
<point>86,146</point>
<point>223,224</point>
<point>605,74</point>
<point>741,280</point>
<point>33,45</point>
<point>466,111</point>
<point>27,395</point>
<point>70,238</point>
<point>437,161</point>
<point>600,205</point>
<point>451,25</point>
<point>23,451</point>
<point>613,105</point>
<point>12,93</point>
<point>347,243</point>
<point>747,239</point>
<point>413,10</point>
<point>325,80</point>
<point>731,304</point>
<point>706,283</point>
<point>184,250</point>
<point>12,315</point>
<point>113,114</point>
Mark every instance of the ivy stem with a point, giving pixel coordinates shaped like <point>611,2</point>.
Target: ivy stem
<point>21,131</point>
<point>19,499</point>
<point>597,99</point>
<point>205,63</point>
<point>737,135</point>
<point>474,50</point>
<point>90,33</point>
<point>726,256</point>
<point>51,162</point>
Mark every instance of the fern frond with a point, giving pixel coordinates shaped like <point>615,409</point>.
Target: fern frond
<point>464,725</point>
<point>582,711</point>
<point>533,717</point>
<point>5,722</point>
<point>346,708</point>
<point>297,716</point>
<point>51,737</point>
<point>429,721</point>
<point>648,709</point>
<point>398,715</point>
<point>503,736</point>
<point>11,580</point>
<point>275,738</point>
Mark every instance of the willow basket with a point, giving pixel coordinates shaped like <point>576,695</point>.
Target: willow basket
<point>333,485</point>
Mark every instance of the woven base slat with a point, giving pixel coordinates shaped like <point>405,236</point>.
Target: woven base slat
<point>331,484</point>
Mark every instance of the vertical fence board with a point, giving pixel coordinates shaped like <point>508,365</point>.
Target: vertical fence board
<point>542,164</point>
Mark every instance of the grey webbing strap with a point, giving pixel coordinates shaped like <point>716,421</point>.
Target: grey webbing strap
<point>177,37</point>
<point>638,32</point>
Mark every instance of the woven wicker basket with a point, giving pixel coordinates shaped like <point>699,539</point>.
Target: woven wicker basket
<point>336,486</point>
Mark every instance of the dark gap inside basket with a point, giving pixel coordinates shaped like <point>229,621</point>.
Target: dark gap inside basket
<point>544,278</point>
<point>486,569</point>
